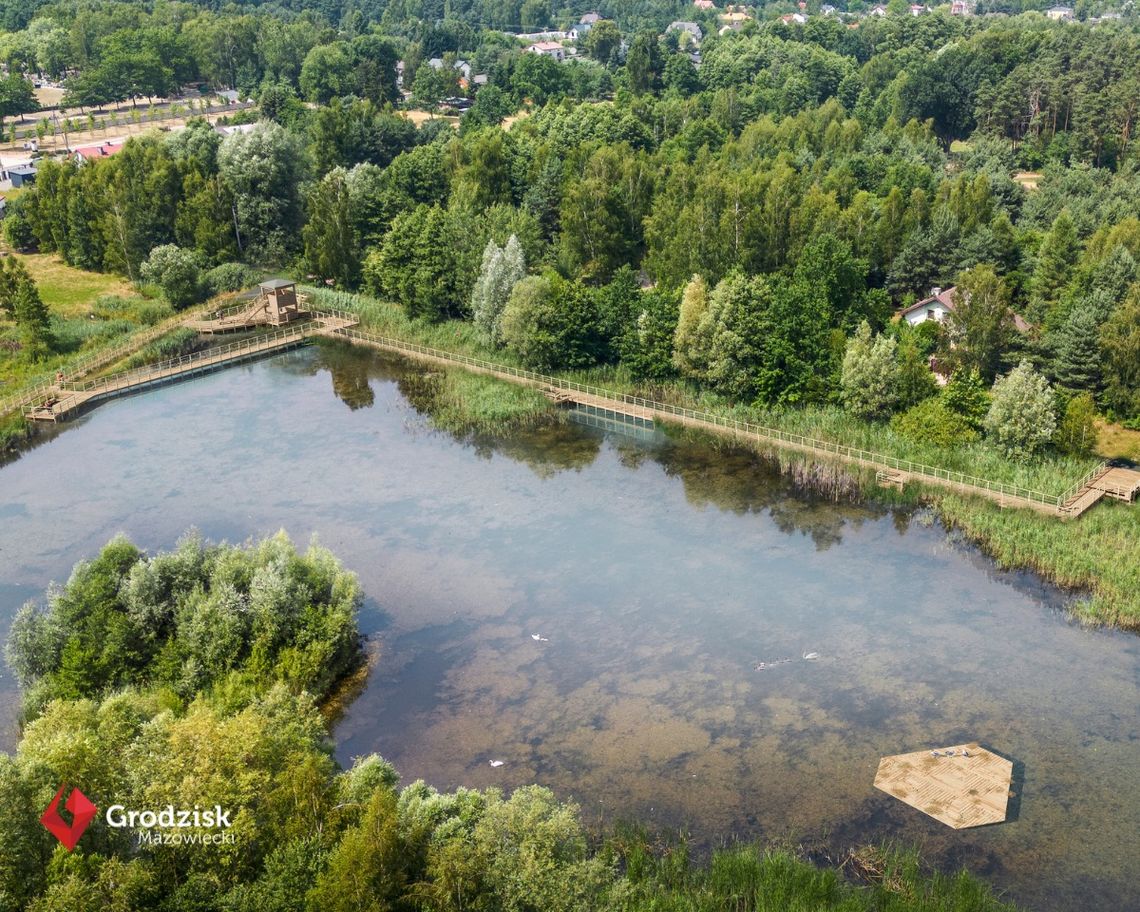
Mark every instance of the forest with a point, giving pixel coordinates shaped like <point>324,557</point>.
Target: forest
<point>748,226</point>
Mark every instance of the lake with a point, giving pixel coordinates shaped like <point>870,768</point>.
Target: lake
<point>657,574</point>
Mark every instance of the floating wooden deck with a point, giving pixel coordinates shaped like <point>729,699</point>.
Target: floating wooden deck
<point>65,401</point>
<point>960,786</point>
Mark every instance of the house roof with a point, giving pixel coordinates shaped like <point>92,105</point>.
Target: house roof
<point>276,284</point>
<point>546,46</point>
<point>24,169</point>
<point>946,296</point>
<point>101,151</point>
<point>943,296</point>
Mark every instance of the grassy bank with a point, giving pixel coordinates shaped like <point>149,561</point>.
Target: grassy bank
<point>1100,552</point>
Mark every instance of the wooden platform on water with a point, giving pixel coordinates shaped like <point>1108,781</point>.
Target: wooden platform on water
<point>65,401</point>
<point>961,786</point>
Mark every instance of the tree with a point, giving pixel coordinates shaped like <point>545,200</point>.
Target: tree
<point>326,72</point>
<point>981,324</point>
<point>502,268</point>
<point>643,65</point>
<point>687,356</point>
<point>1077,433</point>
<point>550,324</point>
<point>603,42</point>
<point>20,297</point>
<point>331,245</point>
<point>1056,257</point>
<point>430,87</point>
<point>1077,365</point>
<point>1022,416</point>
<point>17,97</point>
<point>1120,345</point>
<point>966,395</point>
<point>262,170</point>
<point>176,271</point>
<point>869,378</point>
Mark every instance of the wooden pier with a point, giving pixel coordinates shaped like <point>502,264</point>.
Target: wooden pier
<point>67,400</point>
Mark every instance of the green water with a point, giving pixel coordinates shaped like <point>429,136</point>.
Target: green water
<point>658,573</point>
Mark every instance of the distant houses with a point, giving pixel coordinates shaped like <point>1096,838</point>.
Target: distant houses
<point>961,8</point>
<point>551,49</point>
<point>689,28</point>
<point>1060,13</point>
<point>940,304</point>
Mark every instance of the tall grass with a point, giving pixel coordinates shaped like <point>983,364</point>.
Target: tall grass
<point>463,403</point>
<point>1100,552</point>
<point>756,879</point>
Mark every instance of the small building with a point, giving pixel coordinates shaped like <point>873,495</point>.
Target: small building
<point>689,28</point>
<point>21,175</point>
<point>580,31</point>
<point>827,10</point>
<point>961,8</point>
<point>793,18</point>
<point>281,303</point>
<point>548,49</point>
<point>880,11</point>
<point>591,18</point>
<point>733,21</point>
<point>85,154</point>
<point>704,4</point>
<point>935,307</point>
<point>1060,13</point>
<point>917,9</point>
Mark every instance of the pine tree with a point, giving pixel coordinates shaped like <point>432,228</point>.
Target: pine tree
<point>32,315</point>
<point>1055,260</point>
<point>1077,364</point>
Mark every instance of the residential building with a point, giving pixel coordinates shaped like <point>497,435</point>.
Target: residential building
<point>85,154</point>
<point>549,49</point>
<point>690,28</point>
<point>1060,13</point>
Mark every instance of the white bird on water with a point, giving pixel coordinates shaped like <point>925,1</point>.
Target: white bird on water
<point>811,656</point>
<point>538,638</point>
<point>496,763</point>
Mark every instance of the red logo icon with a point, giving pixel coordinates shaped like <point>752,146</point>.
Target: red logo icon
<point>82,813</point>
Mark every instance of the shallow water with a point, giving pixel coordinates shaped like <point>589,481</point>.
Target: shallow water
<point>659,572</point>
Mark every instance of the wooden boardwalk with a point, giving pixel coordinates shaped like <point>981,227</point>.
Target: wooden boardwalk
<point>67,400</point>
<point>889,470</point>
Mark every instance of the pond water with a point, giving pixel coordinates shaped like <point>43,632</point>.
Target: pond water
<point>658,573</point>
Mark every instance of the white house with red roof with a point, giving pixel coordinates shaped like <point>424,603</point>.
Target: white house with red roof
<point>84,154</point>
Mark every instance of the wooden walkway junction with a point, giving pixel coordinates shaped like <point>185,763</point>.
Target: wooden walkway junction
<point>69,399</point>
<point>961,786</point>
<point>1102,481</point>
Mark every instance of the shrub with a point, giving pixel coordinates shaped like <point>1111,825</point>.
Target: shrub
<point>933,421</point>
<point>1022,417</point>
<point>228,277</point>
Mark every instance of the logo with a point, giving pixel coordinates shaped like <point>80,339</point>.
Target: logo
<point>82,813</point>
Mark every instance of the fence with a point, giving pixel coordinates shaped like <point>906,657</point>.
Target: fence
<point>743,428</point>
<point>94,360</point>
<point>179,367</point>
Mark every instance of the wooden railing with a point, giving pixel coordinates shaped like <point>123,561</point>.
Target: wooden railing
<point>744,428</point>
<point>46,383</point>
